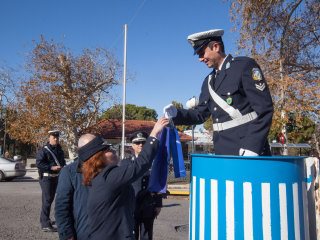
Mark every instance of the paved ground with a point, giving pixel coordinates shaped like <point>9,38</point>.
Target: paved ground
<point>20,206</point>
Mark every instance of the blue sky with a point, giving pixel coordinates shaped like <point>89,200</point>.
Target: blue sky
<point>158,54</point>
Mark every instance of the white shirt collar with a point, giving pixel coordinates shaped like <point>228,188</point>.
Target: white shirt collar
<point>220,66</point>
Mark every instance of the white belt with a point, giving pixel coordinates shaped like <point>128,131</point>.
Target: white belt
<point>50,174</point>
<point>235,122</point>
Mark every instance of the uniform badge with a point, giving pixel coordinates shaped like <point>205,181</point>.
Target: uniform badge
<point>260,86</point>
<point>227,65</point>
<point>229,100</point>
<point>256,74</point>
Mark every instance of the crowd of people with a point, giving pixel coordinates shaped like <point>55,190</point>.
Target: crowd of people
<point>99,197</point>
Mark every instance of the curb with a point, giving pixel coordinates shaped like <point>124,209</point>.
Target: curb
<point>181,189</point>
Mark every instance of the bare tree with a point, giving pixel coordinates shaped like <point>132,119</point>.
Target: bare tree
<point>63,91</point>
<point>7,86</point>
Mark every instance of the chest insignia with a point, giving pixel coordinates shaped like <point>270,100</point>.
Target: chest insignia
<point>229,100</point>
<point>256,74</point>
<point>260,86</point>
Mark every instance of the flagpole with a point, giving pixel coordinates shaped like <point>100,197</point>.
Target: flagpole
<point>124,90</point>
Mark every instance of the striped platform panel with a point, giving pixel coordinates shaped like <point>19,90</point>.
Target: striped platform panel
<point>260,200</point>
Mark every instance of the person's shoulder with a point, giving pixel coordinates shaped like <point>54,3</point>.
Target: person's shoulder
<point>206,79</point>
<point>125,161</point>
<point>243,59</point>
<point>46,147</point>
<point>42,149</point>
<point>244,62</point>
<point>59,148</point>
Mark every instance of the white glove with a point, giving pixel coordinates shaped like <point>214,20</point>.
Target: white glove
<point>192,102</point>
<point>246,152</point>
<point>170,111</point>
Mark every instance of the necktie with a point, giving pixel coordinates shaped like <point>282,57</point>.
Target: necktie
<point>217,73</point>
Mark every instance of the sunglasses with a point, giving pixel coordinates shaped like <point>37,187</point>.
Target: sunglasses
<point>140,142</point>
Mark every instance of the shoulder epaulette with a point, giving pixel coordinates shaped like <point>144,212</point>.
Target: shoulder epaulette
<point>240,58</point>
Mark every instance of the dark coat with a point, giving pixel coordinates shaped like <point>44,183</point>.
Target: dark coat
<point>235,81</point>
<point>45,161</point>
<point>71,203</point>
<point>145,202</point>
<point>111,196</point>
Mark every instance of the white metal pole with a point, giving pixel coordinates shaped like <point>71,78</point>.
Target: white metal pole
<point>124,90</point>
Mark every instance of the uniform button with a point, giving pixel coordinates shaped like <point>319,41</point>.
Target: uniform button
<point>151,142</point>
<point>205,102</point>
<point>217,119</point>
<point>144,187</point>
<point>215,109</point>
<point>143,180</point>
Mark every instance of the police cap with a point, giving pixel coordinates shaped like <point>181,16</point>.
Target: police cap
<point>55,133</point>
<point>201,39</point>
<point>139,136</point>
<point>91,148</point>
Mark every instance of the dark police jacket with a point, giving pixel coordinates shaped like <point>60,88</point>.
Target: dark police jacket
<point>145,202</point>
<point>111,196</point>
<point>71,203</point>
<point>45,160</point>
<point>237,84</point>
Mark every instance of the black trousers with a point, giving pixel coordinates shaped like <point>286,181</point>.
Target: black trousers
<point>48,187</point>
<point>143,228</point>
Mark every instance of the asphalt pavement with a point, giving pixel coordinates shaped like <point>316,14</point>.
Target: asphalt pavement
<point>20,202</point>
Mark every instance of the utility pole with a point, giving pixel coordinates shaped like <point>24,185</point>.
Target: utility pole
<point>124,91</point>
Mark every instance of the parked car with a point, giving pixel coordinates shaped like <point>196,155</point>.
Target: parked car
<point>10,169</point>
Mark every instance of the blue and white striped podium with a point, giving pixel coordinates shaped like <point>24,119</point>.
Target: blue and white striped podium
<point>235,197</point>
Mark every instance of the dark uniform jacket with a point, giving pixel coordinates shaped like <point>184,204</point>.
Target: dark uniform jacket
<point>146,202</point>
<point>111,196</point>
<point>238,84</point>
<point>45,159</point>
<point>71,203</point>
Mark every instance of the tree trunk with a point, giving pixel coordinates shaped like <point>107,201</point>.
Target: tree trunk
<point>72,140</point>
<point>316,142</point>
<point>283,113</point>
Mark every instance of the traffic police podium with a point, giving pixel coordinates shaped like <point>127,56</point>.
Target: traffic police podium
<point>236,197</point>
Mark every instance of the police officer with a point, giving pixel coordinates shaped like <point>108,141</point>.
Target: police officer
<point>50,160</point>
<point>148,205</point>
<point>235,94</point>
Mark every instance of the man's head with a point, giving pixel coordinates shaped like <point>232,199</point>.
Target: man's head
<point>54,137</point>
<point>89,145</point>
<point>138,139</point>
<point>209,47</point>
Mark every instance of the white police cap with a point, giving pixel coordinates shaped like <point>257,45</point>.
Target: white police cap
<point>139,136</point>
<point>54,132</point>
<point>200,39</point>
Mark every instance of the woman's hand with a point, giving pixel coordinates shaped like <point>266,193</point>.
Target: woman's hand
<point>160,124</point>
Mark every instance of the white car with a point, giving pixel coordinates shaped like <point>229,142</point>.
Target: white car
<point>10,169</point>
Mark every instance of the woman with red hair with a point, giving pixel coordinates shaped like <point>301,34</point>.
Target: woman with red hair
<point>110,204</point>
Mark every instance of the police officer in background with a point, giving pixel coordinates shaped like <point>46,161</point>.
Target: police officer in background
<point>235,94</point>
<point>50,160</point>
<point>148,205</point>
